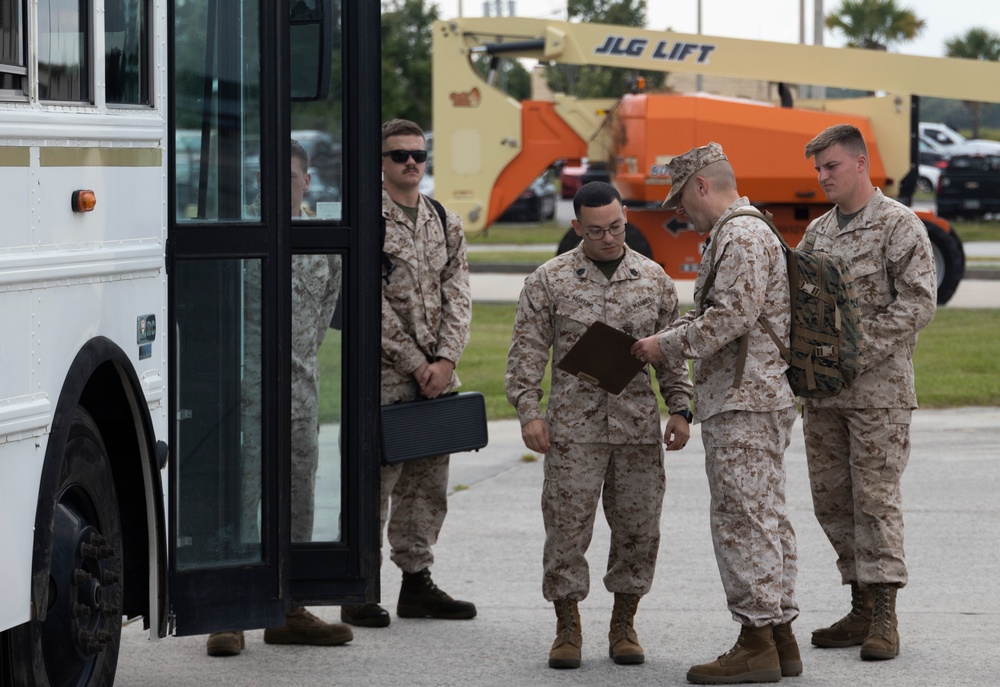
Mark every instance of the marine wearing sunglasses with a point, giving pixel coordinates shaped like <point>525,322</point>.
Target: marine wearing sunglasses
<point>401,156</point>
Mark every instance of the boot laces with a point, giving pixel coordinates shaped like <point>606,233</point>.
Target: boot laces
<point>626,611</point>
<point>880,615</point>
<point>744,634</point>
<point>431,589</point>
<point>567,623</point>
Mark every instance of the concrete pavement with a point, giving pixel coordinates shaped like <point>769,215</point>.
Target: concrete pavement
<point>490,552</point>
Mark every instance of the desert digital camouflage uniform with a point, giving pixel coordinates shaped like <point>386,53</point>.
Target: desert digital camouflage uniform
<point>598,440</point>
<point>316,284</point>
<point>745,429</point>
<point>858,442</point>
<point>316,281</point>
<point>426,314</point>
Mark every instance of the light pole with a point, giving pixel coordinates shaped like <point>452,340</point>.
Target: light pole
<point>697,81</point>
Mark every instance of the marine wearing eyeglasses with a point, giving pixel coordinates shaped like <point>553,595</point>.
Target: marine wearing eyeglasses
<point>596,444</point>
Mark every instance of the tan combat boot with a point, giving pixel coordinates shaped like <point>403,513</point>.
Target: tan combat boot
<point>788,649</point>
<point>852,629</point>
<point>565,651</point>
<point>225,643</point>
<point>882,642</point>
<point>753,658</point>
<point>623,643</point>
<point>302,627</point>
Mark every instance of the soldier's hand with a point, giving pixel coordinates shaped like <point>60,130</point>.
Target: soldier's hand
<point>648,350</point>
<point>536,436</point>
<point>433,378</point>
<point>677,433</point>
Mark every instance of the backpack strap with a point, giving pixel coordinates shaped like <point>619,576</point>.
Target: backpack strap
<point>741,356</point>
<point>443,216</point>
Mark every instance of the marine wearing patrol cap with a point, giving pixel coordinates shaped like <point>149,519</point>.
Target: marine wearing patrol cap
<point>683,167</point>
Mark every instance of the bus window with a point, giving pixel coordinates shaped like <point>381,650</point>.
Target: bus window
<point>218,445</point>
<point>126,52</point>
<point>13,69</point>
<point>217,108</point>
<point>63,47</point>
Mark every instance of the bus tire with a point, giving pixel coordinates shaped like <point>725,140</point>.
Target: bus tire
<point>77,643</point>
<point>949,260</point>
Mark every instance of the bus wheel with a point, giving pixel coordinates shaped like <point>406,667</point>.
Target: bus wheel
<point>77,643</point>
<point>949,260</point>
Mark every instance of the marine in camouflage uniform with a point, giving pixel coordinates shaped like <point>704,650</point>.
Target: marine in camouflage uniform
<point>316,281</point>
<point>426,316</point>
<point>600,445</point>
<point>316,284</point>
<point>426,319</point>
<point>746,424</point>
<point>858,442</point>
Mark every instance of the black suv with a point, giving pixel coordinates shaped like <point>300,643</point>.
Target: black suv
<point>969,186</point>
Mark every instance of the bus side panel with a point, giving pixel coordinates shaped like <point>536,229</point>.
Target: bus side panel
<point>24,407</point>
<point>67,279</point>
<point>21,465</point>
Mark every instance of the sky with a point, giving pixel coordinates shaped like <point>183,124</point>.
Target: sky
<point>773,20</point>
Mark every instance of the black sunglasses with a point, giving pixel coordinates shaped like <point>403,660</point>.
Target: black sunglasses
<point>400,156</point>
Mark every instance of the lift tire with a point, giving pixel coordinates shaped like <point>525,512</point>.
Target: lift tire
<point>949,260</point>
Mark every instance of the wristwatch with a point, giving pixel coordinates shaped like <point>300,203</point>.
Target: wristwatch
<point>686,414</point>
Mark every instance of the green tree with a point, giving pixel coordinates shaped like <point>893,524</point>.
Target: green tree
<point>975,44</point>
<point>584,81</point>
<point>511,77</point>
<point>406,60</point>
<point>874,24</point>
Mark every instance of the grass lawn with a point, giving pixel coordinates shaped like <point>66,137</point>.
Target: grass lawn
<point>956,362</point>
<point>518,234</point>
<point>977,231</point>
<point>511,257</point>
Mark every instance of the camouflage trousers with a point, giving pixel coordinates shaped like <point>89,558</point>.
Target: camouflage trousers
<point>856,459</point>
<point>417,492</point>
<point>753,539</point>
<point>630,482</point>
<point>315,286</point>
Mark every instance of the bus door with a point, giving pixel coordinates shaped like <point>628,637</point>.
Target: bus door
<point>273,309</point>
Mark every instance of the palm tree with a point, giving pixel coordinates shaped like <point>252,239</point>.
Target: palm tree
<point>976,44</point>
<point>874,24</point>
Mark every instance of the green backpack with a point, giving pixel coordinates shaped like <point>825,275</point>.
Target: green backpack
<point>826,335</point>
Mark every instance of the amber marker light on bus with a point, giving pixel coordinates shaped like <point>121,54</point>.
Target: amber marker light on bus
<point>84,201</point>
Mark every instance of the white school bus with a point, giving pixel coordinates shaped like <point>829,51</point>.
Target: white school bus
<point>147,258</point>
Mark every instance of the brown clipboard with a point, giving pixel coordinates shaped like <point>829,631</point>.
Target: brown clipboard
<point>603,358</point>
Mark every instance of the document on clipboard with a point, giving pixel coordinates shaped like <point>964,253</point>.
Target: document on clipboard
<point>603,358</point>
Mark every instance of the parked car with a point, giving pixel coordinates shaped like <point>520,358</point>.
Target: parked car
<point>932,161</point>
<point>537,203</point>
<point>939,133</point>
<point>569,179</point>
<point>969,186</point>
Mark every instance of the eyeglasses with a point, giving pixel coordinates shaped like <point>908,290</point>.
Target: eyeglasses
<point>598,234</point>
<point>400,156</point>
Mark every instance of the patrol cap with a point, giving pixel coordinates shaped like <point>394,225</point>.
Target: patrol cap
<point>683,167</point>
